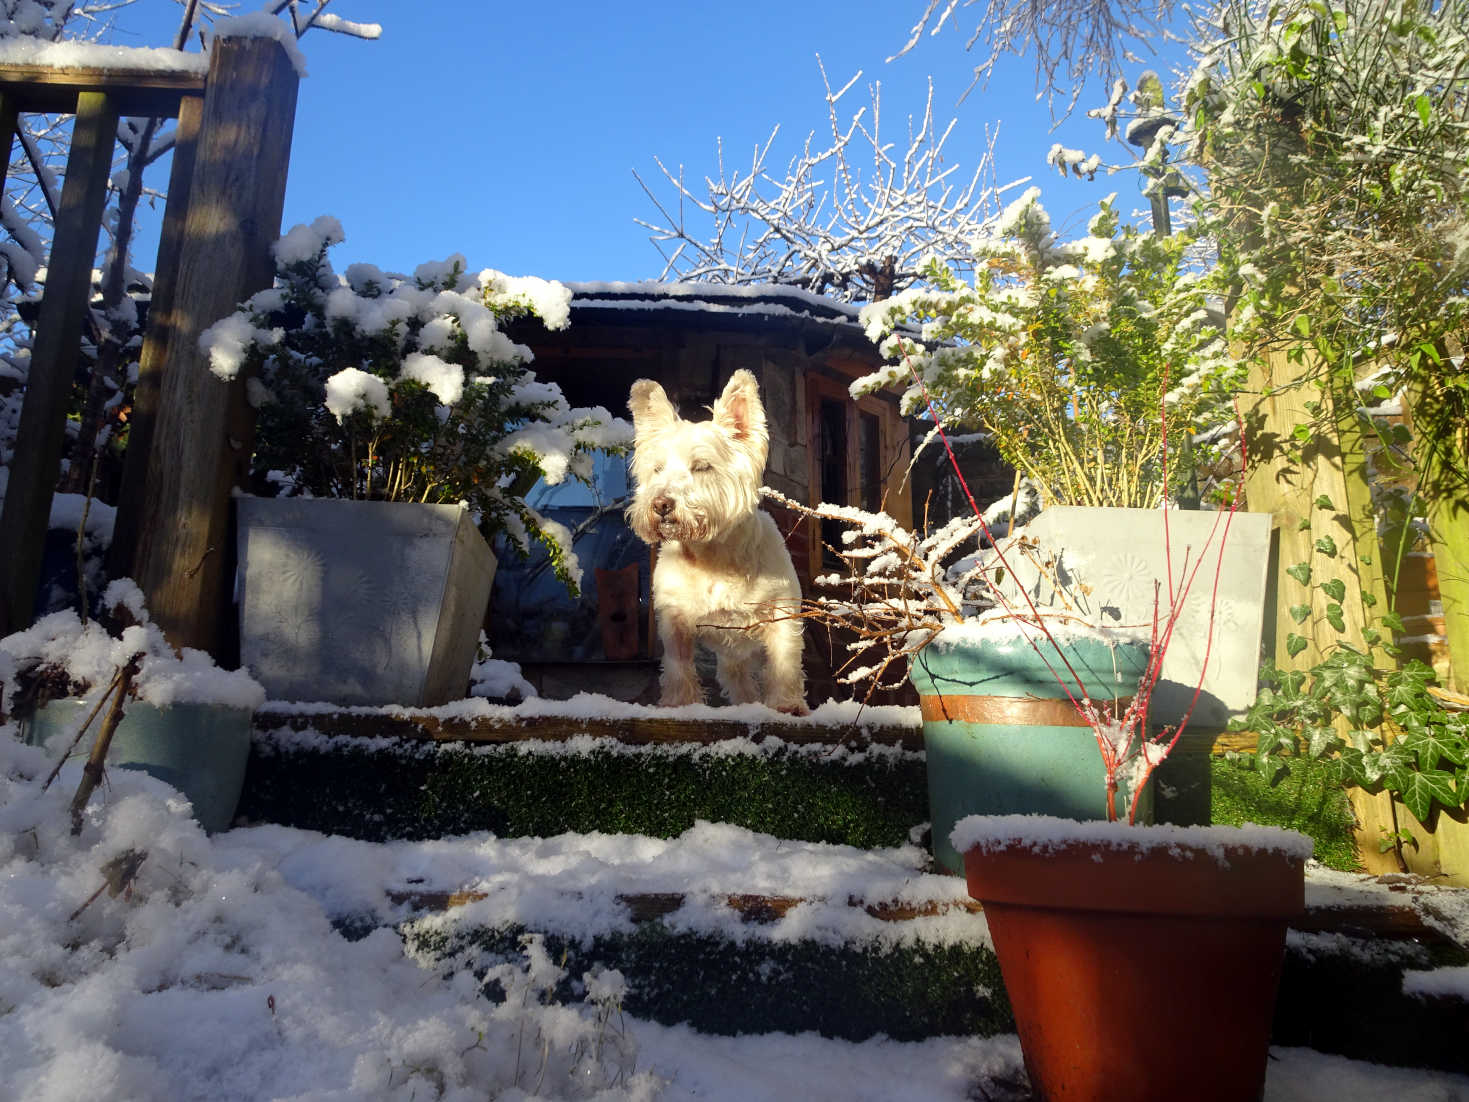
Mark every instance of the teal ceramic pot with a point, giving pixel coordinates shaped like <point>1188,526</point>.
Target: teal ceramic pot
<point>1002,738</point>
<point>200,749</point>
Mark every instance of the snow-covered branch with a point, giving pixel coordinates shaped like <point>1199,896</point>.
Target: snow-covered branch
<point>835,222</point>
<point>1071,39</point>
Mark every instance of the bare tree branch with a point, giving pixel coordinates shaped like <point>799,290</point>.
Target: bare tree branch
<point>1071,39</point>
<point>830,224</point>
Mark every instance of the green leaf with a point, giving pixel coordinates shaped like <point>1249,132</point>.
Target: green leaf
<point>1336,589</point>
<point>1301,433</point>
<point>1301,572</point>
<point>1423,107</point>
<point>1303,325</point>
<point>1298,613</point>
<point>1304,525</point>
<point>1369,599</point>
<point>1421,790</point>
<point>1393,621</point>
<point>1294,644</point>
<point>1334,617</point>
<point>1324,502</point>
<point>1327,546</point>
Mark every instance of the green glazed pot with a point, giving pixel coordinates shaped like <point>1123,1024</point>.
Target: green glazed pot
<point>1001,737</point>
<point>200,749</point>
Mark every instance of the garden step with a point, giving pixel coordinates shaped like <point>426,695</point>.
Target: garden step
<point>843,774</point>
<point>907,955</point>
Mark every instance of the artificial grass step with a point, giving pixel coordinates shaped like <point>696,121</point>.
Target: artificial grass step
<point>911,986</point>
<point>842,775</point>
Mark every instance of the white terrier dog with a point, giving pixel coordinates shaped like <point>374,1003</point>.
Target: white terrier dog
<point>723,576</point>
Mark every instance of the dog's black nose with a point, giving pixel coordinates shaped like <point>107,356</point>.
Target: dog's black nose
<point>663,506</point>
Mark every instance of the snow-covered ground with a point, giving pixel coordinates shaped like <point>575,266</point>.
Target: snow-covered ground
<point>211,970</point>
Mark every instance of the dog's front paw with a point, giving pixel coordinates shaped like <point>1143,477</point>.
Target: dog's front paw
<point>677,691</point>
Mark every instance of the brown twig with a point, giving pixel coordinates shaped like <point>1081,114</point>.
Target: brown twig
<point>92,771</point>
<point>82,730</point>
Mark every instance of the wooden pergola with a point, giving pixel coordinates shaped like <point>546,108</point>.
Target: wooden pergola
<point>189,432</point>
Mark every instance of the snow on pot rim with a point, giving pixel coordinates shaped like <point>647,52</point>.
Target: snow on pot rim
<point>1004,630</point>
<point>1045,834</point>
<point>89,655</point>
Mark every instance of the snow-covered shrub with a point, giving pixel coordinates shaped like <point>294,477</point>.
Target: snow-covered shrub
<point>389,387</point>
<point>1061,352</point>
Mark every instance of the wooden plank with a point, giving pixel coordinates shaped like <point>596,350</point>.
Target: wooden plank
<point>153,92</point>
<point>204,429</point>
<point>634,731</point>
<point>8,120</point>
<point>54,356</point>
<point>158,342</point>
<point>1387,921</point>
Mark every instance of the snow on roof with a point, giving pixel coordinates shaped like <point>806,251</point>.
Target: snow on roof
<point>769,300</point>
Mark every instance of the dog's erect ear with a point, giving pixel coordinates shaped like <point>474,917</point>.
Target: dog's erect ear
<point>739,411</point>
<point>650,406</point>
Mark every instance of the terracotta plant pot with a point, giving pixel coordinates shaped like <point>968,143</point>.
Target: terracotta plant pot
<point>1141,962</point>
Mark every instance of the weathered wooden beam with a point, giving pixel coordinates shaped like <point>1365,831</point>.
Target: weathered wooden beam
<point>633,730</point>
<point>8,119</point>
<point>203,432</point>
<point>163,330</point>
<point>54,355</point>
<point>151,92</point>
<point>1374,921</point>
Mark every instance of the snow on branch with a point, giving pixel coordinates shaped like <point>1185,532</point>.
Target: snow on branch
<point>1071,39</point>
<point>833,223</point>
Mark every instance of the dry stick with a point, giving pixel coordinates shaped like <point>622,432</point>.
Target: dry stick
<point>85,724</point>
<point>82,537</point>
<point>92,771</point>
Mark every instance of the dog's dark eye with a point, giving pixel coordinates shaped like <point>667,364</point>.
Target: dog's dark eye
<point>702,465</point>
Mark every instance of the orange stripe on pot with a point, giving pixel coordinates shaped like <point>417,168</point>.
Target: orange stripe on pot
<point>1026,711</point>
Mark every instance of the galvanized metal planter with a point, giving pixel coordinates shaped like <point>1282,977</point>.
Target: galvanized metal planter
<point>360,602</point>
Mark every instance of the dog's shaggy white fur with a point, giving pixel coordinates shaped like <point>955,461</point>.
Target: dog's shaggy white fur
<point>723,576</point>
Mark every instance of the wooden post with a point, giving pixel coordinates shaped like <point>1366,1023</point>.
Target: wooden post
<point>162,331</point>
<point>42,430</point>
<point>204,427</point>
<point>9,118</point>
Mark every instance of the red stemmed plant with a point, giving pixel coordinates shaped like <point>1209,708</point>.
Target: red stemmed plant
<point>911,604</point>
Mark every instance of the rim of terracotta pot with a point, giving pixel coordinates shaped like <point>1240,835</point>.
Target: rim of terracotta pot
<point>1040,861</point>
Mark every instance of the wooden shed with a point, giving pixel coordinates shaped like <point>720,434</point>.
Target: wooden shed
<point>825,446</point>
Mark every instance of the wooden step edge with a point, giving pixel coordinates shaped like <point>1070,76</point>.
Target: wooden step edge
<point>633,731</point>
<point>1394,923</point>
<point>642,730</point>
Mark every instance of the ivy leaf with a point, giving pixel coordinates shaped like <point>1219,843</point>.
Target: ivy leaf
<point>1336,589</point>
<point>1324,502</point>
<point>1421,790</point>
<point>1430,746</point>
<point>1334,617</point>
<point>1327,546</point>
<point>1301,572</point>
<point>1301,433</point>
<point>1298,613</point>
<point>1369,599</point>
<point>1392,621</point>
<point>1294,644</point>
<point>1321,741</point>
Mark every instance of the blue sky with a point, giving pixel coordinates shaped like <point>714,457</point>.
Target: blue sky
<point>509,132</point>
